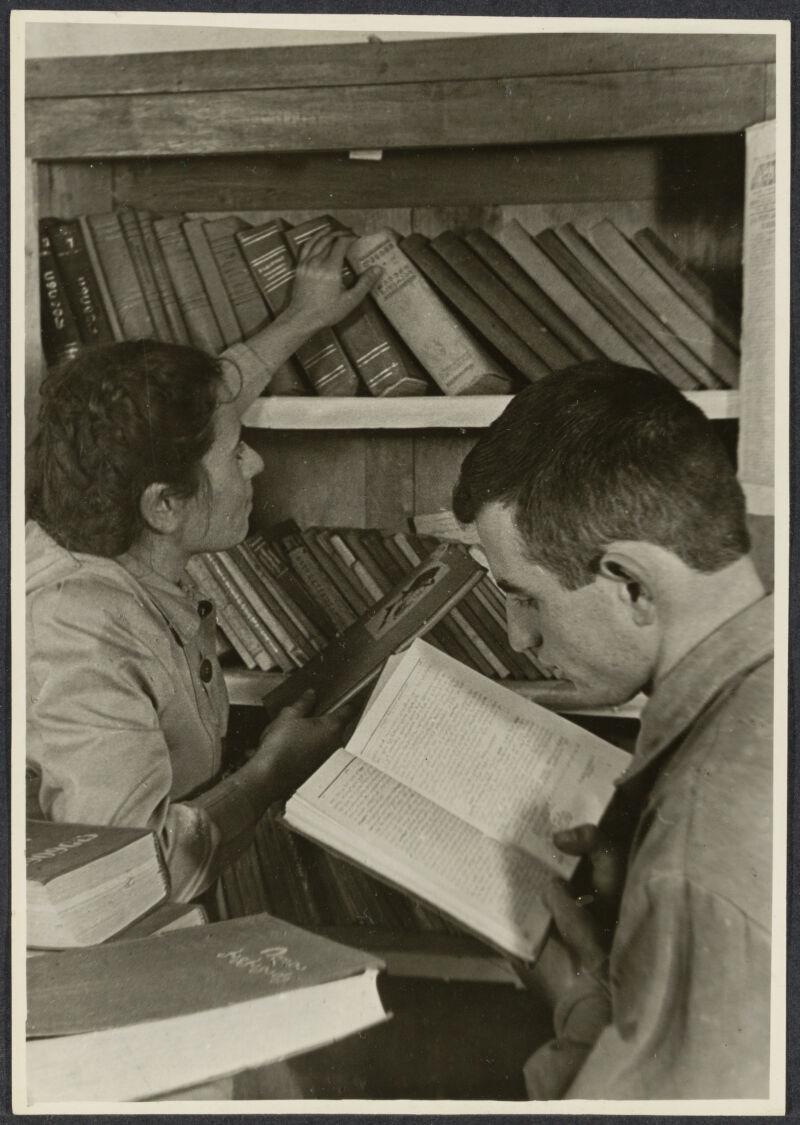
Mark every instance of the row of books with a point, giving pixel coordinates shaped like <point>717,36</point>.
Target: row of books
<point>282,597</point>
<point>466,312</point>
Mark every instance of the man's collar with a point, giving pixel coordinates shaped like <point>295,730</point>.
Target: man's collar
<point>177,603</point>
<point>733,649</point>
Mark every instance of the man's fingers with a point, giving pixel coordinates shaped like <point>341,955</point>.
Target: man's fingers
<point>607,863</point>
<point>575,924</point>
<point>581,839</point>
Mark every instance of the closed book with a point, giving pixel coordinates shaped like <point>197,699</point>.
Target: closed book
<point>519,282</point>
<point>61,340</point>
<point>80,283</point>
<point>670,356</point>
<point>366,585</point>
<point>482,775</point>
<point>129,221</point>
<point>100,278</point>
<point>206,263</point>
<point>453,359</point>
<point>493,291</point>
<point>353,659</point>
<point>480,316</point>
<point>667,305</point>
<point>365,335</point>
<point>530,257</point>
<point>573,259</point>
<point>85,882</point>
<point>229,618</point>
<point>132,1020</point>
<point>249,306</point>
<point>228,574</point>
<point>278,621</point>
<point>162,919</point>
<point>306,613</point>
<point>311,574</point>
<point>687,285</point>
<point>166,290</point>
<point>120,274</point>
<point>197,312</point>
<point>317,541</point>
<point>295,621</point>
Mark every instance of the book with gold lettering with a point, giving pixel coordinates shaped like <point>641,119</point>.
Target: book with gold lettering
<point>137,1019</point>
<point>451,789</point>
<point>87,882</point>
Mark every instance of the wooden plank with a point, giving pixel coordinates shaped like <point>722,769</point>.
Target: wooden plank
<point>461,57</point>
<point>769,93</point>
<point>441,177</point>
<point>423,413</point>
<point>424,115</point>
<point>437,460</point>
<point>69,190</point>
<point>389,480</point>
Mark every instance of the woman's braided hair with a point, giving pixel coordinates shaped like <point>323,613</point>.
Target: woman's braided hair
<point>113,421</point>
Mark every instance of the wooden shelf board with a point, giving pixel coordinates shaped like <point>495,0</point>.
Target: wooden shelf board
<point>434,412</point>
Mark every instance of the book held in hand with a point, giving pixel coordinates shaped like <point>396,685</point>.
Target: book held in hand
<point>451,788</point>
<point>135,1019</point>
<point>355,657</point>
<point>85,883</point>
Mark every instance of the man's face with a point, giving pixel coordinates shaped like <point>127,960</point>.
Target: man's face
<point>587,636</point>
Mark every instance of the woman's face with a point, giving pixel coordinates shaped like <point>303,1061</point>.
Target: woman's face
<point>216,518</point>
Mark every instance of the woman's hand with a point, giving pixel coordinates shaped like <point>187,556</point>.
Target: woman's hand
<point>292,747</point>
<point>319,296</point>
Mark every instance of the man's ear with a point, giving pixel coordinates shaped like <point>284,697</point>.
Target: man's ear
<point>160,509</point>
<point>634,584</point>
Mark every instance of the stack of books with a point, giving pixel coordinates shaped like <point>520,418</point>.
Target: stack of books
<point>282,598</point>
<point>465,312</point>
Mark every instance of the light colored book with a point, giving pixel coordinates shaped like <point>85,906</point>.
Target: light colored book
<point>451,788</point>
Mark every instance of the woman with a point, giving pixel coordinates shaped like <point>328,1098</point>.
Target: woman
<point>140,466</point>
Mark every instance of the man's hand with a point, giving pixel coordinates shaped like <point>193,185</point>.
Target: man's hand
<point>319,296</point>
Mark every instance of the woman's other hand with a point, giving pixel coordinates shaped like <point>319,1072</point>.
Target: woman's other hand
<point>319,295</point>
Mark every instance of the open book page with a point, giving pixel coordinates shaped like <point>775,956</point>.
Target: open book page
<point>509,768</point>
<point>410,840</point>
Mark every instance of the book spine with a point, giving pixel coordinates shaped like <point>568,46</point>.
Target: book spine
<point>100,278</point>
<point>60,337</point>
<point>279,623</point>
<point>519,282</point>
<point>212,281</point>
<point>679,365</point>
<point>307,614</point>
<point>132,312</point>
<point>144,272</point>
<point>516,240</point>
<point>304,631</point>
<point>492,290</point>
<point>249,306</point>
<point>257,613</point>
<point>477,312</point>
<point>638,275</point>
<point>271,873</point>
<point>166,290</point>
<point>449,355</point>
<point>687,285</point>
<point>372,589</point>
<point>317,583</point>
<point>80,284</point>
<point>269,655</point>
<point>317,542</point>
<point>230,620</point>
<point>200,321</point>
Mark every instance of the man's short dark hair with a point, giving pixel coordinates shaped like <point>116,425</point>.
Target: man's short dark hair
<point>113,421</point>
<point>601,452</point>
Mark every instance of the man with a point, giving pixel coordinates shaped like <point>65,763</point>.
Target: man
<point>612,519</point>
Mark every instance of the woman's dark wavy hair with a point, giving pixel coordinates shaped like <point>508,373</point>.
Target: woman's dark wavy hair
<point>601,452</point>
<point>113,421</point>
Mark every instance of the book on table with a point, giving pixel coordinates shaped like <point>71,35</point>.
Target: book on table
<point>85,882</point>
<point>451,788</point>
<point>136,1019</point>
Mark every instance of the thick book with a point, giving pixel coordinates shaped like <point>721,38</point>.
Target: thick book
<point>484,776</point>
<point>85,883</point>
<point>229,618</point>
<point>132,230</point>
<point>365,334</point>
<point>307,614</point>
<point>272,262</point>
<point>289,539</point>
<point>100,278</point>
<point>584,266</point>
<point>163,281</point>
<point>80,283</point>
<point>228,575</point>
<point>120,274</point>
<point>667,305</point>
<point>249,306</point>
<point>671,356</point>
<point>61,340</point>
<point>135,1019</point>
<point>505,303</point>
<point>516,353</point>
<point>453,358</point>
<point>162,919</point>
<point>286,632</point>
<point>201,324</point>
<point>353,659</point>
<point>530,257</point>
<point>687,284</point>
<point>519,282</point>
<point>210,274</point>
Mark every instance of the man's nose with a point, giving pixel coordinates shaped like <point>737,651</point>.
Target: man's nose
<point>522,624</point>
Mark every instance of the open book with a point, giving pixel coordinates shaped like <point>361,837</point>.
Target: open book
<point>451,788</point>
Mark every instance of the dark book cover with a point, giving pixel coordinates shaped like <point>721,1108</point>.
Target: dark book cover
<point>61,340</point>
<point>80,284</point>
